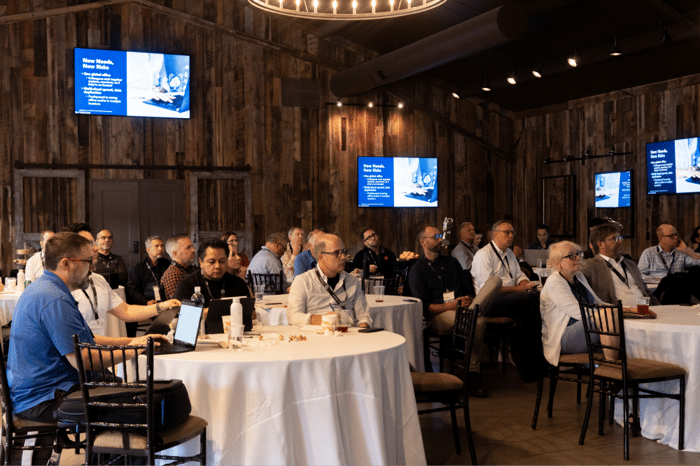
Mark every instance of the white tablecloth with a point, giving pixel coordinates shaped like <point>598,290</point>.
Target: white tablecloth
<point>327,400</point>
<point>8,301</point>
<point>395,314</point>
<point>674,336</point>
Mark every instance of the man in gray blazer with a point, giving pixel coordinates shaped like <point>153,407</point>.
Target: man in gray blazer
<point>610,275</point>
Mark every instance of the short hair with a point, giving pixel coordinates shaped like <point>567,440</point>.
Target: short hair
<point>543,227</point>
<point>64,244</point>
<point>277,238</point>
<point>291,230</point>
<point>362,234</point>
<point>77,227</point>
<point>171,244</point>
<point>595,221</point>
<point>421,232</point>
<point>151,239</point>
<point>322,242</point>
<point>464,224</point>
<point>225,235</point>
<point>556,251</point>
<point>599,233</point>
<point>310,238</point>
<point>499,223</point>
<point>45,233</point>
<point>214,244</point>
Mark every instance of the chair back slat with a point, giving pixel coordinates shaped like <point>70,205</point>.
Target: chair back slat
<point>273,282</point>
<point>462,338</point>
<point>607,323</point>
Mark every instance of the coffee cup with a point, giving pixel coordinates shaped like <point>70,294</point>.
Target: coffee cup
<point>329,324</point>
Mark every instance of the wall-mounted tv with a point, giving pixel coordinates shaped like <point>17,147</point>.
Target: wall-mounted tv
<point>397,182</point>
<point>138,84</point>
<point>673,166</point>
<point>613,189</point>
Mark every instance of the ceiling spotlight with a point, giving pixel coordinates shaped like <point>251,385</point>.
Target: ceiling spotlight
<point>664,38</point>
<point>573,60</point>
<point>537,72</point>
<point>511,78</point>
<point>615,51</point>
<point>456,94</point>
<point>370,104</point>
<point>339,103</point>
<point>486,87</point>
<point>400,105</point>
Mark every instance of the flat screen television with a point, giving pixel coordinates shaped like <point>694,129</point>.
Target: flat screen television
<point>613,189</point>
<point>397,182</point>
<point>137,84</point>
<point>673,166</point>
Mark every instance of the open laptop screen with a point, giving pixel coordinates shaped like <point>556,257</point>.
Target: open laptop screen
<point>188,323</point>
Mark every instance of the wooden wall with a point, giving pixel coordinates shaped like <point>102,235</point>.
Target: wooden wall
<point>303,160</point>
<point>623,122</point>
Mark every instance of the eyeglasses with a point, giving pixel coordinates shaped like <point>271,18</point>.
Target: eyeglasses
<point>337,253</point>
<point>87,261</point>
<point>672,235</point>
<point>438,236</point>
<point>104,237</point>
<point>373,235</point>
<point>615,239</point>
<point>506,232</point>
<point>574,255</point>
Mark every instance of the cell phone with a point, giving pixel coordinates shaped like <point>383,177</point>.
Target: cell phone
<point>370,329</point>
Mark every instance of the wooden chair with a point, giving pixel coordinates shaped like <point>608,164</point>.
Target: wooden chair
<point>274,282</point>
<point>122,438</point>
<point>613,374</point>
<point>451,389</point>
<point>570,365</point>
<point>16,430</point>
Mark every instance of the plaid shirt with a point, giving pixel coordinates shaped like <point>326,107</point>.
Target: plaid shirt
<point>653,266</point>
<point>172,277</point>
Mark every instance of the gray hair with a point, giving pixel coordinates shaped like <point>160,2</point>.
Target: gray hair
<point>291,230</point>
<point>557,250</point>
<point>499,223</point>
<point>311,238</point>
<point>150,239</point>
<point>171,244</point>
<point>278,238</point>
<point>465,224</point>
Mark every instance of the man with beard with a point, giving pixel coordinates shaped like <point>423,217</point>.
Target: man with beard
<point>108,263</point>
<point>212,279</point>
<point>41,361</point>
<point>671,255</point>
<point>381,261</point>
<point>181,251</point>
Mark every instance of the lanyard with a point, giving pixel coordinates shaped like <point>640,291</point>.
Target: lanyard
<point>624,269</point>
<point>151,270</point>
<point>330,290</point>
<point>223,287</point>
<point>505,264</point>
<point>673,255</point>
<point>469,246</point>
<point>94,294</point>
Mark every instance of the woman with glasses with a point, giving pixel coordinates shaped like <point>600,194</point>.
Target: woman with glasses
<point>562,329</point>
<point>237,261</point>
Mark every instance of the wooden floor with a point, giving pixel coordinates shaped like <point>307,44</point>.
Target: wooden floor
<point>502,432</point>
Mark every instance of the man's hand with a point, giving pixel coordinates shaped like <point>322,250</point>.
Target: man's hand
<point>463,301</point>
<point>363,325</point>
<point>151,302</point>
<point>372,268</point>
<point>170,304</point>
<point>526,285</point>
<point>317,319</point>
<point>142,340</point>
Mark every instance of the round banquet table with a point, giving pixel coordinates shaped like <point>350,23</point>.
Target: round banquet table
<point>397,314</point>
<point>8,301</point>
<point>674,336</point>
<point>327,400</point>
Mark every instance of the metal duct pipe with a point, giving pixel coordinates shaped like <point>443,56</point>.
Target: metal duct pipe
<point>500,25</point>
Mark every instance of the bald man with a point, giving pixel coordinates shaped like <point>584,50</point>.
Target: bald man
<point>671,255</point>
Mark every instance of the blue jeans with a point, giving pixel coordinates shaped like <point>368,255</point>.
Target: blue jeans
<point>574,339</point>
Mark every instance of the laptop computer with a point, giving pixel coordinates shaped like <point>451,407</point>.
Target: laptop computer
<point>222,307</point>
<point>534,256</point>
<point>186,331</point>
<point>180,103</point>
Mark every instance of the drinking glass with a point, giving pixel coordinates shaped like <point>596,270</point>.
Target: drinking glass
<point>379,291</point>
<point>259,292</point>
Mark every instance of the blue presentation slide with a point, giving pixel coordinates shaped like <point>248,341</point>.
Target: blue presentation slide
<point>613,189</point>
<point>397,182</point>
<point>661,167</point>
<point>100,82</point>
<point>375,180</point>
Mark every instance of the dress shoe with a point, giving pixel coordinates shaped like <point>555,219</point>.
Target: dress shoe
<point>475,389</point>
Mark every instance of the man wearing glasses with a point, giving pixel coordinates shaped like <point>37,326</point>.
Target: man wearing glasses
<point>496,259</point>
<point>269,259</point>
<point>328,288</point>
<point>108,263</point>
<point>381,261</point>
<point>613,277</point>
<point>671,255</point>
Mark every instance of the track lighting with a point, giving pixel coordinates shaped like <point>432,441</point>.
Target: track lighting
<point>339,103</point>
<point>486,87</point>
<point>370,104</point>
<point>400,105</point>
<point>512,78</point>
<point>664,38</point>
<point>573,60</point>
<point>537,72</point>
<point>615,51</point>
<point>458,93</point>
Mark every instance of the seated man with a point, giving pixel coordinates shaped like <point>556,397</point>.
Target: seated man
<point>294,248</point>
<point>181,251</point>
<point>212,278</point>
<point>268,259</point>
<point>497,260</point>
<point>465,250</point>
<point>97,299</point>
<point>35,264</point>
<point>381,261</point>
<point>611,276</point>
<point>313,292</point>
<point>108,263</point>
<point>147,273</point>
<point>306,260</point>
<point>41,364</point>
<point>543,241</point>
<point>441,285</point>
<point>671,255</point>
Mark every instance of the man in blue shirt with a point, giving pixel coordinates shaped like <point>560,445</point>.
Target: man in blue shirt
<point>41,362</point>
<point>306,260</point>
<point>268,259</point>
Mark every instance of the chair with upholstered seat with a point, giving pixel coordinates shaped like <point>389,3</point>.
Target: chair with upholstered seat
<point>571,368</point>
<point>613,374</point>
<point>451,389</point>
<point>274,282</point>
<point>107,430</point>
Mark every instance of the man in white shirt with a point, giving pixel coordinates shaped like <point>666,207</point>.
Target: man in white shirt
<point>465,250</point>
<point>35,264</point>
<point>497,260</point>
<point>611,276</point>
<point>313,292</point>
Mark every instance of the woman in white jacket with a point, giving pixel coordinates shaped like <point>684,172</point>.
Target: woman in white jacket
<point>562,329</point>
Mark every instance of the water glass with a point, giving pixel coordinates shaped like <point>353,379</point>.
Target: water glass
<point>10,282</point>
<point>259,292</point>
<point>379,291</point>
<point>235,339</point>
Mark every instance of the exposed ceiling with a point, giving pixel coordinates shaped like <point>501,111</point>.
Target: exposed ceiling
<point>556,28</point>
